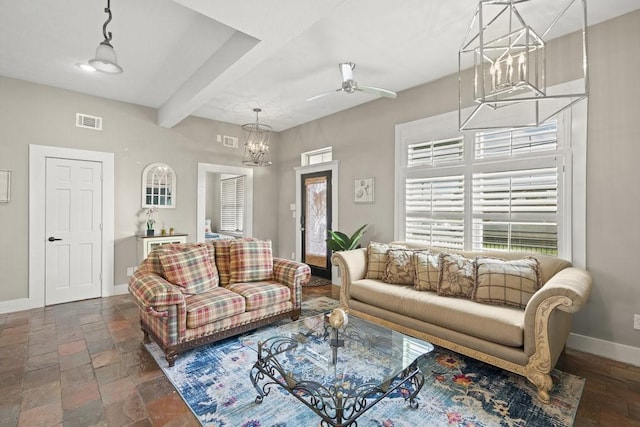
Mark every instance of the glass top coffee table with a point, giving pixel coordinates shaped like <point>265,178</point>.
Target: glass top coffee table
<point>338,373</point>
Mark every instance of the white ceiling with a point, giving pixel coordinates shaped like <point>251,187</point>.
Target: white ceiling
<point>219,59</point>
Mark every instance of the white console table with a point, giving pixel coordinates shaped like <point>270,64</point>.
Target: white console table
<point>148,243</point>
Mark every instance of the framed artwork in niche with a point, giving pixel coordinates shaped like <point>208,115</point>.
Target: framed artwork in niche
<point>5,186</point>
<point>364,190</point>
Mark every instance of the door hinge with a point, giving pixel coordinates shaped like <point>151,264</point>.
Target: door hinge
<point>101,277</point>
<point>100,227</point>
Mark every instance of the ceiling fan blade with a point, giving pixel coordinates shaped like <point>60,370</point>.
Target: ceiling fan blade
<point>323,94</point>
<point>377,91</point>
<point>346,69</point>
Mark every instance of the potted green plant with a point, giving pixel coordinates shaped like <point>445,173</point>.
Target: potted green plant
<point>339,241</point>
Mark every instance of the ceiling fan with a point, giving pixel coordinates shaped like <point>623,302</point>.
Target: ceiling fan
<point>349,85</point>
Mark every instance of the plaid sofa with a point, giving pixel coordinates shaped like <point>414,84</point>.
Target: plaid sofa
<point>179,320</point>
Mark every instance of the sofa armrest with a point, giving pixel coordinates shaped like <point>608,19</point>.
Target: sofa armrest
<point>151,291</point>
<point>293,274</point>
<point>353,266</point>
<point>568,290</point>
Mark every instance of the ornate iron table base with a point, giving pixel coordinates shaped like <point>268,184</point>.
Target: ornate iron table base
<point>336,408</point>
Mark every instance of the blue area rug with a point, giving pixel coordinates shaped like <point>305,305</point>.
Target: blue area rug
<point>458,391</point>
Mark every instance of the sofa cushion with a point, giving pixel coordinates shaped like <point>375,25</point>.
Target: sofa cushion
<point>456,276</point>
<point>251,261</point>
<point>499,324</point>
<point>427,268</point>
<point>213,305</point>
<point>258,295</point>
<point>377,259</point>
<point>506,282</point>
<point>399,269</point>
<point>188,266</point>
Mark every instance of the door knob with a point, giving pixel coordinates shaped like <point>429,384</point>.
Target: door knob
<point>53,239</point>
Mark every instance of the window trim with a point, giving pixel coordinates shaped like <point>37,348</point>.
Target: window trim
<point>572,140</point>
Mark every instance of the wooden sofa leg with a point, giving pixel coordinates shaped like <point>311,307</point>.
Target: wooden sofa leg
<point>145,337</point>
<point>544,383</point>
<point>296,317</point>
<point>171,358</point>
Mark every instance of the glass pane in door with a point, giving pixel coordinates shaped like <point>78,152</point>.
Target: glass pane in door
<point>316,221</point>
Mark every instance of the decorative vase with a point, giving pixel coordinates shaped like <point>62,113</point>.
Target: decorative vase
<point>150,232</point>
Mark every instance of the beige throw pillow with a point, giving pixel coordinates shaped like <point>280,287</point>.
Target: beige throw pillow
<point>427,271</point>
<point>456,276</point>
<point>377,259</point>
<point>399,269</point>
<point>509,283</point>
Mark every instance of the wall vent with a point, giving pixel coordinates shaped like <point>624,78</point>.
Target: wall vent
<point>88,122</point>
<point>230,141</point>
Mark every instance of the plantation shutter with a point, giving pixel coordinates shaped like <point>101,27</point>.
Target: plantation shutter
<point>516,142</point>
<point>232,204</point>
<point>435,210</point>
<point>516,210</point>
<point>433,153</point>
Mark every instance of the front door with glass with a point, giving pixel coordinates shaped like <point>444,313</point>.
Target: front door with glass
<point>315,220</point>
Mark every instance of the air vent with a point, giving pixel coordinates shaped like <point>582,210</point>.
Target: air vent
<point>88,122</point>
<point>230,141</point>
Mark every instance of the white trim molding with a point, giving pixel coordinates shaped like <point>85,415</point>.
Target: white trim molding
<point>201,206</point>
<point>608,349</point>
<point>37,180</point>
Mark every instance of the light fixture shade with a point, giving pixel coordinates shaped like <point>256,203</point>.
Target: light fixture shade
<point>504,65</point>
<point>256,147</point>
<point>106,59</point>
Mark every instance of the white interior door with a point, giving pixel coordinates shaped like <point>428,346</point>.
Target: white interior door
<point>73,230</point>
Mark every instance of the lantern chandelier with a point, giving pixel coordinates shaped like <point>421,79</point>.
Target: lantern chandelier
<point>256,147</point>
<point>508,86</point>
<point>106,60</point>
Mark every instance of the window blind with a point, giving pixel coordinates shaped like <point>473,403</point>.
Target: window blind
<point>435,210</point>
<point>232,204</point>
<point>432,153</point>
<point>516,142</point>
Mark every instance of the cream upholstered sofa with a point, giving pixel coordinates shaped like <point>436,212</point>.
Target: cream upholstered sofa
<point>193,294</point>
<point>523,331</point>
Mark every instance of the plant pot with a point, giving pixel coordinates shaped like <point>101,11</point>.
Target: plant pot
<point>150,232</point>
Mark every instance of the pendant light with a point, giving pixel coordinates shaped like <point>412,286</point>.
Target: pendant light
<point>105,59</point>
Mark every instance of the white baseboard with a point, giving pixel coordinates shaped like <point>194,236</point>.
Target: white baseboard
<point>121,289</point>
<point>21,304</point>
<point>610,350</point>
<point>14,305</point>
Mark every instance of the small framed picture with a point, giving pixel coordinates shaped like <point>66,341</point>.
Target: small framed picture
<point>364,190</point>
<point>5,186</point>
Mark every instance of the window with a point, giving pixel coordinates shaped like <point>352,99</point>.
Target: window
<point>497,190</point>
<point>232,202</point>
<point>314,157</point>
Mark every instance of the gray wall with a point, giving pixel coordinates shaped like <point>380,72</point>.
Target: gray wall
<point>36,114</point>
<point>213,200</point>
<point>363,142</point>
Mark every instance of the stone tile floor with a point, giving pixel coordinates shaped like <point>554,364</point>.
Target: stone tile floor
<point>83,364</point>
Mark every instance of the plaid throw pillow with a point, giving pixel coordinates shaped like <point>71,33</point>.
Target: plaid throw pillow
<point>189,267</point>
<point>427,271</point>
<point>223,257</point>
<point>503,282</point>
<point>251,261</point>
<point>377,259</point>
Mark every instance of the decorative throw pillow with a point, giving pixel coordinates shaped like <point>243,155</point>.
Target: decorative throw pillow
<point>399,269</point>
<point>223,257</point>
<point>188,266</point>
<point>427,271</point>
<point>456,276</point>
<point>377,259</point>
<point>503,282</point>
<point>251,261</point>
